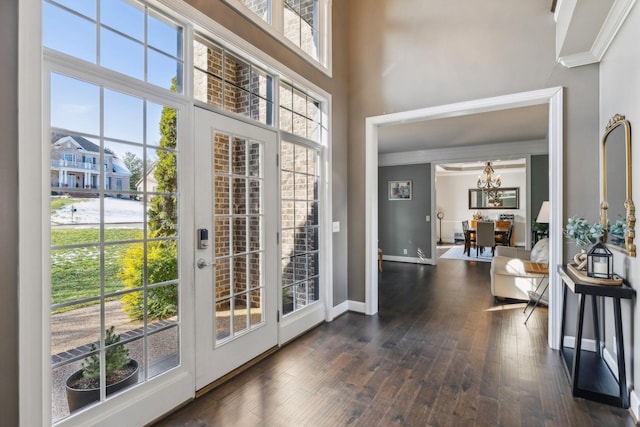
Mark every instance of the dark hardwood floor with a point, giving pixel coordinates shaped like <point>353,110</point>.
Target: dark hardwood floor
<point>440,352</point>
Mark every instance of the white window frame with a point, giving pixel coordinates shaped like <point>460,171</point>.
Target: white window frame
<point>276,28</point>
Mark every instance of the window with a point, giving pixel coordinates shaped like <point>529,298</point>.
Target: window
<point>114,255</point>
<point>299,181</point>
<point>125,36</point>
<point>261,8</point>
<point>225,81</point>
<point>303,24</point>
<point>300,114</point>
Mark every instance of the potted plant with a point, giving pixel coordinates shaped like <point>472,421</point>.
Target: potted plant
<point>83,386</point>
<point>584,234</point>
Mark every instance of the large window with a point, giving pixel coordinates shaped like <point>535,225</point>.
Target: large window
<point>114,253</point>
<point>114,243</point>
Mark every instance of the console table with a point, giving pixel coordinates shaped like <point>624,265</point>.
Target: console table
<point>588,373</point>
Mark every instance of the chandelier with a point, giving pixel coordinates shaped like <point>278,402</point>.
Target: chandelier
<point>490,185</point>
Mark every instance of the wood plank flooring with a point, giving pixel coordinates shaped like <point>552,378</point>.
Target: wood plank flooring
<point>440,352</point>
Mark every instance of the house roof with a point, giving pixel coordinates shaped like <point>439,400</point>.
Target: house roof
<point>83,143</point>
<point>80,141</point>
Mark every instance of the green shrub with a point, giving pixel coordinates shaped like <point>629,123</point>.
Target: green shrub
<point>162,266</point>
<point>115,357</point>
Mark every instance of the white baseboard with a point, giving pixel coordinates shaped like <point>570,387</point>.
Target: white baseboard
<point>412,260</point>
<point>356,306</point>
<point>339,309</point>
<point>343,307</point>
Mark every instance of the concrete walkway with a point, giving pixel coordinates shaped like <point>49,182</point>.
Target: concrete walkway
<point>81,326</point>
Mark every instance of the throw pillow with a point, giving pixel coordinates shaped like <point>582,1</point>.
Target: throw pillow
<point>540,252</point>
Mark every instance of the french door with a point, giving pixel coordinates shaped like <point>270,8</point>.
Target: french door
<point>236,254</point>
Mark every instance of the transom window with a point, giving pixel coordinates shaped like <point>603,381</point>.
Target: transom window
<point>300,114</point>
<point>225,81</point>
<point>302,23</point>
<point>125,36</point>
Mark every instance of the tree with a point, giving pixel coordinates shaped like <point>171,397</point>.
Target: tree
<point>163,216</point>
<point>134,164</point>
<point>162,258</point>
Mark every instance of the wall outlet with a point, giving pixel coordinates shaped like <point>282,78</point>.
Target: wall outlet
<point>405,251</point>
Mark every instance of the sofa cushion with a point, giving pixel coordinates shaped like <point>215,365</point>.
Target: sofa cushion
<point>540,252</point>
<point>510,267</point>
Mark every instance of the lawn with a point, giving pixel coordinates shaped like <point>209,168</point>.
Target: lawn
<point>75,272</point>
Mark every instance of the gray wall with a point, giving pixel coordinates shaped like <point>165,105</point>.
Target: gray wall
<point>402,223</point>
<point>620,85</point>
<point>9,213</point>
<point>409,54</point>
<point>539,183</point>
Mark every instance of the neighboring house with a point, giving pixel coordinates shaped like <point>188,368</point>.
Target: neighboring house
<point>150,180</point>
<point>75,163</point>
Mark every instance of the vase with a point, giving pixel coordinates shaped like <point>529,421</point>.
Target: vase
<point>581,260</point>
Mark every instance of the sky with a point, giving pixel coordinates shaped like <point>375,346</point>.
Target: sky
<point>118,43</point>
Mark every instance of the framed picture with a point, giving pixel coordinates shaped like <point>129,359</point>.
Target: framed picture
<point>400,190</point>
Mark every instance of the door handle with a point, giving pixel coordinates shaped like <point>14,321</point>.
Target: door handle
<point>203,263</point>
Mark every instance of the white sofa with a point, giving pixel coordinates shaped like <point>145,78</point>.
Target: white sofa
<point>508,277</point>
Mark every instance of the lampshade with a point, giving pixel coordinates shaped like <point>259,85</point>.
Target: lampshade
<point>543,215</point>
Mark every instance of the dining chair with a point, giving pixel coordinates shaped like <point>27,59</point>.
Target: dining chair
<point>504,238</point>
<point>485,236</point>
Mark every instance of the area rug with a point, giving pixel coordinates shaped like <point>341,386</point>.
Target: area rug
<point>457,252</point>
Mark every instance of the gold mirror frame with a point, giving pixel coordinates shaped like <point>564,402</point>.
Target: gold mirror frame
<point>629,208</point>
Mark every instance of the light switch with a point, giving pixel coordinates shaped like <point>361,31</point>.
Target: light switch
<point>428,218</point>
<point>336,226</point>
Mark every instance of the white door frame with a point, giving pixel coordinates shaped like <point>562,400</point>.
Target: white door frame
<point>553,97</point>
<point>214,360</point>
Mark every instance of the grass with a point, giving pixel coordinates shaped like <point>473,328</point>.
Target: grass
<point>75,272</point>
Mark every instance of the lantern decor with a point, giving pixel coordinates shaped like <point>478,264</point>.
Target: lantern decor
<point>600,262</point>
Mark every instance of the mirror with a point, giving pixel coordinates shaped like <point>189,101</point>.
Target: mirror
<point>507,198</point>
<point>616,207</point>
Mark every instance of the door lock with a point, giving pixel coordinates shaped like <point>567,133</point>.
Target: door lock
<point>203,238</point>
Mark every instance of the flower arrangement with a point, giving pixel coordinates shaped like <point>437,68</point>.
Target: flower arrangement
<point>583,233</point>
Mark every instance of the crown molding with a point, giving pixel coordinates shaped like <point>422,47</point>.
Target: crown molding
<point>610,27</point>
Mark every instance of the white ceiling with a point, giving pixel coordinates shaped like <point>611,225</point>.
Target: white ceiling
<point>516,124</point>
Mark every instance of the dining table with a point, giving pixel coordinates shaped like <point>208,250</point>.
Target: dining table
<point>499,229</point>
